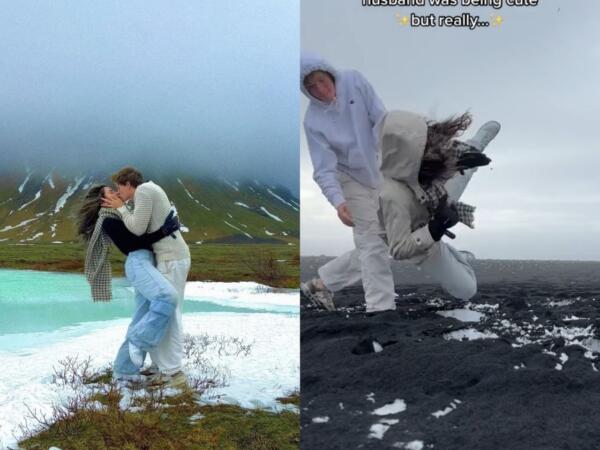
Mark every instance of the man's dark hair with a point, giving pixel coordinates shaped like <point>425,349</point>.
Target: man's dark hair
<point>128,175</point>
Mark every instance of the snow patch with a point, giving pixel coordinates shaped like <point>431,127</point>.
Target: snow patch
<point>323,419</point>
<point>412,445</point>
<point>443,412</point>
<point>379,429</point>
<point>464,315</point>
<point>233,186</point>
<point>51,182</point>
<point>236,228</point>
<point>573,318</point>
<point>71,189</point>
<point>33,238</point>
<point>241,204</point>
<point>396,407</point>
<point>37,196</point>
<point>243,294</point>
<point>22,186</point>
<point>470,334</point>
<point>272,216</point>
<point>22,224</point>
<point>186,191</point>
<point>281,199</point>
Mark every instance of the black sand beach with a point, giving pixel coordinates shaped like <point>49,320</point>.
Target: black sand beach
<point>528,379</point>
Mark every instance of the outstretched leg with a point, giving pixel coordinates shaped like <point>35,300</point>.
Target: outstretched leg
<point>372,252</point>
<point>451,268</point>
<point>458,183</point>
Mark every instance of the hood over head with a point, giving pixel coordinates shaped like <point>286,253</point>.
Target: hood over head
<point>311,62</point>
<point>403,136</point>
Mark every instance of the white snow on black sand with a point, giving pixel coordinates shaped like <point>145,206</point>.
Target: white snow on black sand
<point>517,367</point>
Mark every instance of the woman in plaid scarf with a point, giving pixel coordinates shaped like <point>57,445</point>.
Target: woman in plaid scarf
<point>155,297</point>
<point>426,169</point>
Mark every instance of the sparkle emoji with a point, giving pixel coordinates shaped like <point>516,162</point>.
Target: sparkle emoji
<point>497,21</point>
<point>402,19</point>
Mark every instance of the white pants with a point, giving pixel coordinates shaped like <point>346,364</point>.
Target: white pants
<point>169,353</point>
<point>447,265</point>
<point>369,261</point>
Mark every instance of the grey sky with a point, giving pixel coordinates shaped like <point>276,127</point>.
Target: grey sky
<point>209,86</point>
<point>538,74</point>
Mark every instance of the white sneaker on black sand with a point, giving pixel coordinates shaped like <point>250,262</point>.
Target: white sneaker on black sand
<point>319,296</point>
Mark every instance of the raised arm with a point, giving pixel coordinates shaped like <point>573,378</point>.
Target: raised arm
<point>127,242</point>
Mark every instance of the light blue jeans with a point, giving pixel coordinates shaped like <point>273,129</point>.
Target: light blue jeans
<point>155,303</point>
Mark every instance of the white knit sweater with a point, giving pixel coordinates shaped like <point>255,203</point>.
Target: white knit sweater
<point>152,207</point>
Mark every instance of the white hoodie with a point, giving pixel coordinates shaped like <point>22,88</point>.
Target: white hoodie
<point>342,134</point>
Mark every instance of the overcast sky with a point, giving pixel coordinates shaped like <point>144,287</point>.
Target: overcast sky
<point>538,74</point>
<point>205,85</point>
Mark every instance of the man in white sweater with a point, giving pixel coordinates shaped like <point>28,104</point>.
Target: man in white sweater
<point>151,207</point>
<point>341,129</point>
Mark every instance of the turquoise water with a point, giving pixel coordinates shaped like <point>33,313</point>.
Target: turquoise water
<point>41,302</point>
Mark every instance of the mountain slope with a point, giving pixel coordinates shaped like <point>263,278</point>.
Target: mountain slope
<point>42,207</point>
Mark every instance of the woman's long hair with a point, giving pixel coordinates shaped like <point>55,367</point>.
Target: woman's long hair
<point>88,213</point>
<point>439,162</point>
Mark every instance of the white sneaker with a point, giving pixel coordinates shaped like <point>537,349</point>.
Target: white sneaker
<point>136,355</point>
<point>484,135</point>
<point>319,296</point>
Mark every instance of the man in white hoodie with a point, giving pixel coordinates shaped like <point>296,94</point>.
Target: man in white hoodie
<point>341,125</point>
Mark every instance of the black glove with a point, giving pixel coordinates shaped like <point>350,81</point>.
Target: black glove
<point>446,216</point>
<point>170,226</point>
<point>471,159</point>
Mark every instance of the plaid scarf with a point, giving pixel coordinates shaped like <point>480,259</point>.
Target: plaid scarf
<point>437,191</point>
<point>97,263</point>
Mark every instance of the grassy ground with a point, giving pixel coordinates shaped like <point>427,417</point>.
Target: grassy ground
<point>215,262</point>
<point>161,427</point>
<point>163,423</point>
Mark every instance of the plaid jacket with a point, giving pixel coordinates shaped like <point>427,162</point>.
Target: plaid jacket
<point>97,262</point>
<point>437,191</point>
